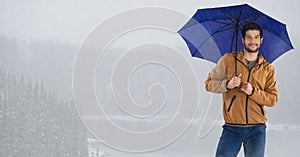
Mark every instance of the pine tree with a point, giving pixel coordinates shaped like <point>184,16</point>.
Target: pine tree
<point>34,122</point>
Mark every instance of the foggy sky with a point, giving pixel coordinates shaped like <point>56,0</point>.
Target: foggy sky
<point>71,20</point>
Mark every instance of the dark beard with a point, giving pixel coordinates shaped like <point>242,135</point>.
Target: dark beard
<point>251,51</point>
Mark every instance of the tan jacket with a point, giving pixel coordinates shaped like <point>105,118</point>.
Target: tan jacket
<point>239,108</point>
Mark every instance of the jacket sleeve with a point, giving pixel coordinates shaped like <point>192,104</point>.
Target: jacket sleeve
<point>268,96</point>
<point>216,81</point>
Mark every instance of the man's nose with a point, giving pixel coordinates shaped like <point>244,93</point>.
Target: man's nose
<point>252,41</point>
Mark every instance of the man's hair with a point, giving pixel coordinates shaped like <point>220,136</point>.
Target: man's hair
<point>251,26</point>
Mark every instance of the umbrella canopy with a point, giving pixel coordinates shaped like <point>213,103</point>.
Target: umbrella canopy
<point>213,32</point>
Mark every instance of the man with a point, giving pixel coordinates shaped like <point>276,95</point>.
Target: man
<point>248,84</point>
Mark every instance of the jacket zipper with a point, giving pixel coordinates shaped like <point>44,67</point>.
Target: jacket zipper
<point>231,102</point>
<point>261,109</point>
<point>247,97</point>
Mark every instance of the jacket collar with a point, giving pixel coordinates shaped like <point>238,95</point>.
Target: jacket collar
<point>240,57</point>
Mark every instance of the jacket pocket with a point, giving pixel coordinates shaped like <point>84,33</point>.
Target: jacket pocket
<point>261,109</point>
<point>231,102</point>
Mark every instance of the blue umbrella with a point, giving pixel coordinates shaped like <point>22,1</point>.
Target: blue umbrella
<point>212,32</point>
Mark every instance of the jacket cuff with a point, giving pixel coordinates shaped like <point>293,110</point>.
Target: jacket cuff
<point>252,91</point>
<point>226,86</point>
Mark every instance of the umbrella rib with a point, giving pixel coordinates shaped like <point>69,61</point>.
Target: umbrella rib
<point>220,30</point>
<point>220,22</point>
<point>231,18</point>
<point>250,19</point>
<point>225,28</point>
<point>231,25</point>
<point>216,21</point>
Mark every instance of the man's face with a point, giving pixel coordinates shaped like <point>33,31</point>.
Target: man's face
<point>252,41</point>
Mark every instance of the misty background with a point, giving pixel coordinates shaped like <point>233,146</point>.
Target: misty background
<point>39,41</point>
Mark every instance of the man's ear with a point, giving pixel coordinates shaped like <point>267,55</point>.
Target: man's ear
<point>261,40</point>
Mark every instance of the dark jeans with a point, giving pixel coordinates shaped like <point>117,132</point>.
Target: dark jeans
<point>253,139</point>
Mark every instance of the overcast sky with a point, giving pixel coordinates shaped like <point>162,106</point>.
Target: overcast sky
<point>71,20</point>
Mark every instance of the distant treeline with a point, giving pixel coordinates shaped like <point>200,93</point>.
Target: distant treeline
<point>35,123</point>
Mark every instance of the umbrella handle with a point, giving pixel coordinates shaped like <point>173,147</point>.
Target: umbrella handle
<point>235,71</point>
<point>235,63</point>
<point>238,89</point>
